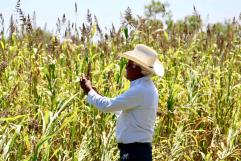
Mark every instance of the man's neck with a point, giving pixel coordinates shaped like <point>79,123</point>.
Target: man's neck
<point>138,77</point>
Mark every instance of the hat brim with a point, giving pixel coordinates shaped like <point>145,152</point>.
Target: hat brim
<point>157,66</point>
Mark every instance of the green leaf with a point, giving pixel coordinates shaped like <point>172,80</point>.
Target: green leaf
<point>39,146</point>
<point>2,45</point>
<point>12,118</point>
<point>166,35</point>
<point>126,32</point>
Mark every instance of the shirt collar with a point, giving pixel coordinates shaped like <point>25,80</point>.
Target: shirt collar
<point>137,81</point>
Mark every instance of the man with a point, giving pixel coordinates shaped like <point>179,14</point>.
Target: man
<point>137,106</point>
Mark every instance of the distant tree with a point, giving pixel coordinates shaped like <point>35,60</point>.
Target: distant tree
<point>159,11</point>
<point>190,24</point>
<point>156,8</point>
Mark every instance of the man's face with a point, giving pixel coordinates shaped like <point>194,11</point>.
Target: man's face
<point>132,70</point>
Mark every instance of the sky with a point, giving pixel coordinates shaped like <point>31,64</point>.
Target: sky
<point>109,11</point>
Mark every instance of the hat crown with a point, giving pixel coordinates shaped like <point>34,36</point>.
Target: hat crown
<point>145,57</point>
<point>146,54</point>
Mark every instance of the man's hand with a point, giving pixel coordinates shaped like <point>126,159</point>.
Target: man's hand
<point>85,84</point>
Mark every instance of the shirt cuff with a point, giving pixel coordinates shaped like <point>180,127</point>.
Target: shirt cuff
<point>91,93</point>
<point>90,96</point>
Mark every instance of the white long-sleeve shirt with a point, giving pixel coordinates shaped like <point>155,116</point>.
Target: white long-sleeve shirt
<point>137,106</point>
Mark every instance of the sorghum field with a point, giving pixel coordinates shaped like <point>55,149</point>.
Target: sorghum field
<point>43,111</point>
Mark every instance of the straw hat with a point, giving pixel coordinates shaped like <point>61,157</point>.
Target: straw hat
<point>146,57</point>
